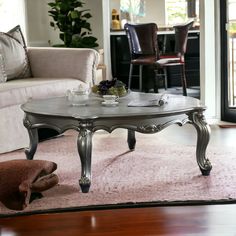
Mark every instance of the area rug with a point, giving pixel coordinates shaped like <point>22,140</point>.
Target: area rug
<point>158,172</point>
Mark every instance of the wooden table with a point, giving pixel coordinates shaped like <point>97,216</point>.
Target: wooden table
<point>58,114</point>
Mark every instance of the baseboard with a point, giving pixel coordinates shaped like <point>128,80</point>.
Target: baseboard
<point>225,124</point>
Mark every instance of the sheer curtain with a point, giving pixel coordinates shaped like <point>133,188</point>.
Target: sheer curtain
<point>12,13</point>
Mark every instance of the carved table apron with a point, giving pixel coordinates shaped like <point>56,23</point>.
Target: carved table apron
<point>58,114</point>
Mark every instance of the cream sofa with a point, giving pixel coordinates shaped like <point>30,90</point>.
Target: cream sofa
<point>54,71</point>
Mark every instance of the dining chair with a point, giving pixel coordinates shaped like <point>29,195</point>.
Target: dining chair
<point>178,57</point>
<point>144,51</point>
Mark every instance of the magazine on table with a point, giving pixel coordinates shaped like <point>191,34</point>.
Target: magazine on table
<point>158,101</point>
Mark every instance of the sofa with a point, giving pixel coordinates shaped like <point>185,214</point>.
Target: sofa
<point>53,72</point>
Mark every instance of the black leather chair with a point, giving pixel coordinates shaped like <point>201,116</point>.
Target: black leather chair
<point>178,58</point>
<point>143,47</point>
<point>144,50</point>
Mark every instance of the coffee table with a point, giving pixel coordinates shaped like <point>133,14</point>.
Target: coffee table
<point>59,114</point>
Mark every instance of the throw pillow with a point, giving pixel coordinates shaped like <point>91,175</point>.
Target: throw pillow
<point>19,179</point>
<point>17,34</point>
<point>13,51</point>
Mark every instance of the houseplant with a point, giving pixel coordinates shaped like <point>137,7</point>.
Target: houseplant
<point>71,19</point>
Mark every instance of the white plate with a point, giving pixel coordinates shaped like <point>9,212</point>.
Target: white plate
<point>110,104</point>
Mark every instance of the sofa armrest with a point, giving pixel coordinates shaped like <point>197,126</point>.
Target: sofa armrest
<point>53,62</point>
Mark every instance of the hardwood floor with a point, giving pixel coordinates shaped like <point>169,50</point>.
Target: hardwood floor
<point>188,220</point>
<point>206,220</point>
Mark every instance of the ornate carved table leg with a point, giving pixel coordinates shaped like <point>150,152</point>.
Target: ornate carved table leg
<point>203,136</point>
<point>84,145</point>
<point>33,136</point>
<point>131,139</point>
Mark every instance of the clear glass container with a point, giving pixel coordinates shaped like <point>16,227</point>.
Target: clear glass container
<point>78,97</point>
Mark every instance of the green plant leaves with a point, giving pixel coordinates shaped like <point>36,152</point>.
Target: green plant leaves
<point>83,42</point>
<point>75,31</point>
<point>74,14</point>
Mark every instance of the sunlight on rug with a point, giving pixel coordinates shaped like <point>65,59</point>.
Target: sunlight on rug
<point>158,172</point>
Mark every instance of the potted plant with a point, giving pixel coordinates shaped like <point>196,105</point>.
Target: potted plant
<point>75,30</point>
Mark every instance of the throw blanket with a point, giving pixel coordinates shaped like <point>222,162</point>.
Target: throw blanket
<point>20,178</point>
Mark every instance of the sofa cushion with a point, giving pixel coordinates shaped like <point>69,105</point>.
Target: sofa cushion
<point>20,91</point>
<point>20,178</point>
<point>17,34</point>
<point>3,76</point>
<point>14,54</point>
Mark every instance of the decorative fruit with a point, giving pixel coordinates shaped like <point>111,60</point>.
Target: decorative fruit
<point>110,87</point>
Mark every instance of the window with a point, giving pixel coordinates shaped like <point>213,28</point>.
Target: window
<point>133,9</point>
<point>231,53</point>
<point>179,11</point>
<point>12,13</point>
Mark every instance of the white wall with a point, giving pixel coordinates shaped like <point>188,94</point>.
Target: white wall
<point>155,12</point>
<point>12,16</point>
<point>95,7</point>
<point>209,59</point>
<point>37,22</point>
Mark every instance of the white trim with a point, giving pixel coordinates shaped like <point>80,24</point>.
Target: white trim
<point>26,33</point>
<point>208,84</point>
<point>217,60</point>
<point>106,36</point>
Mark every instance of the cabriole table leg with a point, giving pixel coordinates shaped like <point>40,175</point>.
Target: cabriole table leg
<point>131,139</point>
<point>203,137</point>
<point>33,137</point>
<point>84,145</point>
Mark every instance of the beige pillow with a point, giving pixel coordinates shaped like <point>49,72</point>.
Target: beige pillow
<point>15,63</point>
<point>3,76</point>
<point>17,34</point>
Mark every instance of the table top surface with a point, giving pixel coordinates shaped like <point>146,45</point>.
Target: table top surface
<point>94,109</point>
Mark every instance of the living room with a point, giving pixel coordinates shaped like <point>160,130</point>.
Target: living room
<point>38,32</point>
<point>157,220</point>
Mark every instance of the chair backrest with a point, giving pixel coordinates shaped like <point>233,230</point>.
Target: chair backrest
<point>142,39</point>
<point>181,37</point>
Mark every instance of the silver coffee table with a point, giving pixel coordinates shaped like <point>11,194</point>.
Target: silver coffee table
<point>58,114</point>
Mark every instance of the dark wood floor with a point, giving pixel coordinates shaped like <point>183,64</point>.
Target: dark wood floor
<point>215,220</point>
<point>188,220</point>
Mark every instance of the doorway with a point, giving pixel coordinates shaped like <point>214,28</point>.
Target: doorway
<point>228,60</point>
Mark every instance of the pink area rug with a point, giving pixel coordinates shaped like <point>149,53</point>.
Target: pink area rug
<point>158,172</point>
